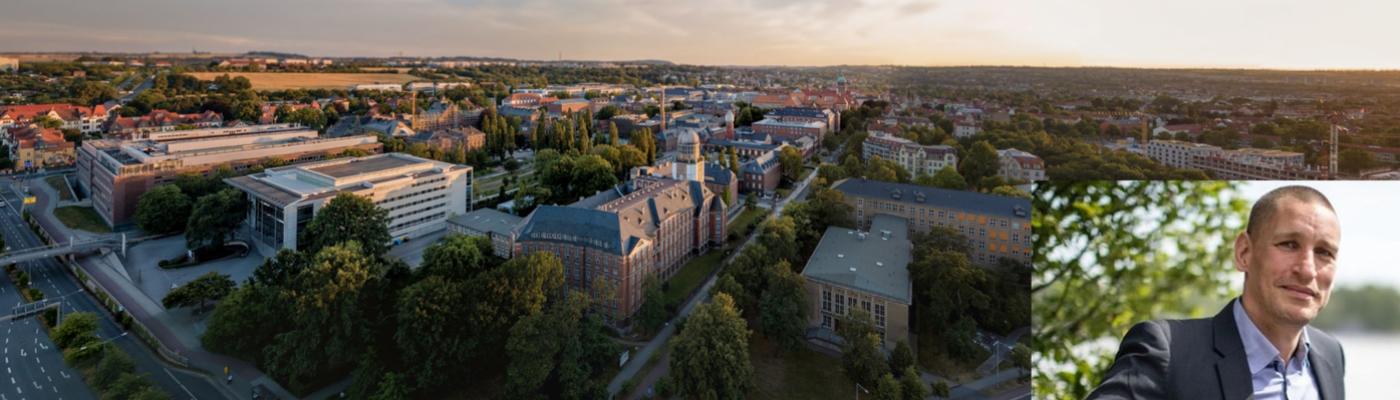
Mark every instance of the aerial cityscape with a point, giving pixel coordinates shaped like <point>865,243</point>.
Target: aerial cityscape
<point>495,211</point>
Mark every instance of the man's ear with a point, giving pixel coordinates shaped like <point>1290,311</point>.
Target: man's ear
<point>1242,250</point>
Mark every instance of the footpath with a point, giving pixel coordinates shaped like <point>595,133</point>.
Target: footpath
<point>178,343</point>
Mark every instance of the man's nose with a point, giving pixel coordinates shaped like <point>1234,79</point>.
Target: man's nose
<point>1307,266</point>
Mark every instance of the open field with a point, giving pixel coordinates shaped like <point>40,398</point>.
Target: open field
<point>309,80</point>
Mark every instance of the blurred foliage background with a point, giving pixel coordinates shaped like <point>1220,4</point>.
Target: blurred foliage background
<point>1111,254</point>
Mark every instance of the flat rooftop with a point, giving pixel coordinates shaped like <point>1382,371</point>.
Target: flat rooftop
<point>874,262</point>
<point>363,166</point>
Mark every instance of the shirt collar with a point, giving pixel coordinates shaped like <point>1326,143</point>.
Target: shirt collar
<point>1258,349</point>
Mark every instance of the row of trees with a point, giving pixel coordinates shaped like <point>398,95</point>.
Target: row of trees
<point>106,368</point>
<point>465,317</point>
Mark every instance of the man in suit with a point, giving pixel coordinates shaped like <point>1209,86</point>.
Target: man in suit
<point>1260,346</point>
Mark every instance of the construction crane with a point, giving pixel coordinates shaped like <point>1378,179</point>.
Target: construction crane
<point>1329,147</point>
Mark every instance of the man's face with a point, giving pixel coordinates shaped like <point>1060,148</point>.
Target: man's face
<point>1289,262</point>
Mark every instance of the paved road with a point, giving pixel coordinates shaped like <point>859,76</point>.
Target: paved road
<point>144,85</point>
<point>638,360</point>
<point>48,276</point>
<point>33,366</point>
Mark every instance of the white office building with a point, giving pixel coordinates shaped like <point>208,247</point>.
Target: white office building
<point>420,195</point>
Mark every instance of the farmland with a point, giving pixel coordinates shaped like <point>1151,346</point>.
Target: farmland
<point>309,80</point>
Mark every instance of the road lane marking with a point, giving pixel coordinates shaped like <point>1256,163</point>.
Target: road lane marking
<point>177,382</point>
<point>65,374</point>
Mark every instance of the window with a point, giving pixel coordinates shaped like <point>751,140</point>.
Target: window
<point>866,305</point>
<point>826,321</point>
<point>826,300</point>
<point>840,304</point>
<point>880,315</point>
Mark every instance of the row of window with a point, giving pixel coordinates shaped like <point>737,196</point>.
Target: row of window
<point>419,211</point>
<point>418,221</point>
<point>407,195</point>
<point>416,202</point>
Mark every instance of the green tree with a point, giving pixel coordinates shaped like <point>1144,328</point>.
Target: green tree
<point>1353,161</point>
<point>939,389</point>
<point>432,331</point>
<point>326,299</point>
<point>1109,272</point>
<point>734,161</point>
<point>163,210</point>
<point>211,286</point>
<point>946,178</point>
<point>911,385</point>
<point>572,177</point>
<point>981,162</point>
<point>112,366</point>
<point>888,388</point>
<point>861,358</point>
<point>458,257</point>
<point>77,329</point>
<point>215,218</point>
<point>391,387</point>
<point>345,218</point>
<point>783,307</point>
<point>791,160</point>
<point>902,357</point>
<point>653,311</point>
<point>712,353</point>
<point>128,385</point>
<point>612,134</point>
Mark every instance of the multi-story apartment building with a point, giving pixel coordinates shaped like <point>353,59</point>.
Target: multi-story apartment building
<point>1245,163</point>
<point>83,119</point>
<point>115,173</point>
<point>611,242</point>
<point>1017,165</point>
<point>419,194</point>
<point>995,226</point>
<point>1178,154</point>
<point>36,147</point>
<point>861,270</point>
<point>790,130</point>
<point>913,157</point>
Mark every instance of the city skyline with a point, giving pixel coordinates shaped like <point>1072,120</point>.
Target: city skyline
<point>1239,34</point>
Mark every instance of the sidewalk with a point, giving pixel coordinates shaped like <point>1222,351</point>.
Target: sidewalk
<point>161,324</point>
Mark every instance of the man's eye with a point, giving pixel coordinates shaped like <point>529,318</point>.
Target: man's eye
<point>1289,245</point>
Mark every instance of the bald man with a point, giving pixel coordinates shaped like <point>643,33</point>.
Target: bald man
<point>1260,346</point>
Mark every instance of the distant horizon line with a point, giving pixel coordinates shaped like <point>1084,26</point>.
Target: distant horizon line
<point>658,60</point>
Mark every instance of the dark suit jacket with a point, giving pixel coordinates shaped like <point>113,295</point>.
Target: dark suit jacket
<point>1204,359</point>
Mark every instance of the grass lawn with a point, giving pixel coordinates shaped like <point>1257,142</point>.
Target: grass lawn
<point>803,374</point>
<point>84,218</point>
<point>746,219</point>
<point>58,184</point>
<point>692,275</point>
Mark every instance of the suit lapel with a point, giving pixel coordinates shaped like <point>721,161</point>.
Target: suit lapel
<point>1324,373</point>
<point>1233,366</point>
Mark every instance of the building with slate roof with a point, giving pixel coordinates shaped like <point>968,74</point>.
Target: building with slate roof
<point>995,226</point>
<point>495,225</point>
<point>614,240</point>
<point>861,270</point>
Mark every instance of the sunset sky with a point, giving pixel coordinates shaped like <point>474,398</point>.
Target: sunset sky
<point>1288,34</point>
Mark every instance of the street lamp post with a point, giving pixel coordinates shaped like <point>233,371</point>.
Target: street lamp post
<point>102,342</point>
<point>859,389</point>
